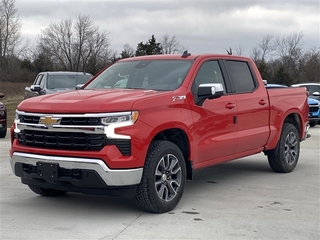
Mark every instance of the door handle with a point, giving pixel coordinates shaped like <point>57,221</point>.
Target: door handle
<point>263,102</point>
<point>230,105</point>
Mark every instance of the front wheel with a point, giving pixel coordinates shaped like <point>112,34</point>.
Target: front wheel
<point>163,179</point>
<point>46,191</point>
<point>284,157</point>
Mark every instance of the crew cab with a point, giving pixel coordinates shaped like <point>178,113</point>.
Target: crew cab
<point>145,124</point>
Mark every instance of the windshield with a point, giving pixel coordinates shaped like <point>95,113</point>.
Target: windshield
<point>156,74</point>
<point>66,81</point>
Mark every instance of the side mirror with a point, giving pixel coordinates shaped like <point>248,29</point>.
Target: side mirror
<point>35,88</point>
<point>265,82</point>
<point>210,90</point>
<point>316,94</point>
<point>1,95</point>
<point>79,86</point>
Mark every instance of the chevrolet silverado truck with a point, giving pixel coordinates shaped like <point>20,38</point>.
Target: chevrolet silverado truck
<point>143,125</point>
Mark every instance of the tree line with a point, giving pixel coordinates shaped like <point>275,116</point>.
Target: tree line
<point>79,45</point>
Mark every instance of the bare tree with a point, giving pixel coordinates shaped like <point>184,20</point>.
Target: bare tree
<point>10,27</point>
<point>239,50</point>
<point>290,51</point>
<point>266,47</point>
<point>73,45</point>
<point>127,51</point>
<point>171,45</point>
<point>289,46</point>
<point>261,52</point>
<point>311,66</point>
<point>259,56</point>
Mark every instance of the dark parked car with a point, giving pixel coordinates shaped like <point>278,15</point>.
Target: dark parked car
<point>52,82</point>
<point>3,119</point>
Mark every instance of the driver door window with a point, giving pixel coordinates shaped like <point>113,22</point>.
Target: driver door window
<point>209,72</point>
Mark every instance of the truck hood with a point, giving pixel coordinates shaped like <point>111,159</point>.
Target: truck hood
<point>87,101</point>
<point>56,90</point>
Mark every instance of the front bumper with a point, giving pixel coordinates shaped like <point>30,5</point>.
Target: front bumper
<point>111,177</point>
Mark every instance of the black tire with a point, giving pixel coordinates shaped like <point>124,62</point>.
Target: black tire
<point>163,179</point>
<point>284,157</point>
<point>3,133</point>
<point>46,191</point>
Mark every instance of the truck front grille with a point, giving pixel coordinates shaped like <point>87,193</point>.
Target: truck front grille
<point>62,140</point>
<point>80,121</point>
<point>83,121</point>
<point>77,132</point>
<point>313,108</point>
<point>29,119</point>
<point>71,141</point>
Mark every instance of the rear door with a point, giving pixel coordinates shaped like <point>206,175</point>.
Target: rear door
<point>253,106</point>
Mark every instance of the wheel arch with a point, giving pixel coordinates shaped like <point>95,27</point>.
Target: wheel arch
<point>180,138</point>
<point>296,121</point>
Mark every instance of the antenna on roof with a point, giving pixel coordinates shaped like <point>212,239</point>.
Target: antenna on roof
<point>229,51</point>
<point>186,54</point>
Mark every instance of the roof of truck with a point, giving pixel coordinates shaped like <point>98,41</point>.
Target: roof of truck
<point>187,56</point>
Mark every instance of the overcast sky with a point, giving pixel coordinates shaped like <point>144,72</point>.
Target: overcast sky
<point>201,26</point>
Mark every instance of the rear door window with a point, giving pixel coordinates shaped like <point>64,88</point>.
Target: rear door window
<point>240,76</point>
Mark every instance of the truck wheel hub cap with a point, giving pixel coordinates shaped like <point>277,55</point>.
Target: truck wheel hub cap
<point>291,148</point>
<point>164,177</point>
<point>168,177</point>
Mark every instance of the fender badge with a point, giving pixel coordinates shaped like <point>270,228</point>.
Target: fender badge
<point>178,98</point>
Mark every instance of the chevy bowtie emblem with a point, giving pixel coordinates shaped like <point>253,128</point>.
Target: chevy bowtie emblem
<point>49,121</point>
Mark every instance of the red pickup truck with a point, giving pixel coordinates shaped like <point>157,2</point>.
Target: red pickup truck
<point>144,124</point>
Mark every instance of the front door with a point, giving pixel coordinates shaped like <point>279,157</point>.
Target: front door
<point>215,131</point>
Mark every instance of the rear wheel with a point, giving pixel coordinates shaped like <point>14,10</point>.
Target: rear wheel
<point>48,192</point>
<point>163,179</point>
<point>284,157</point>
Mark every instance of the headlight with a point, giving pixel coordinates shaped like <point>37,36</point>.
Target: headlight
<point>117,120</point>
<point>122,117</point>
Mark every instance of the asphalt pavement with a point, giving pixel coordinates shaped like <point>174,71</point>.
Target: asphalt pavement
<point>242,199</point>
